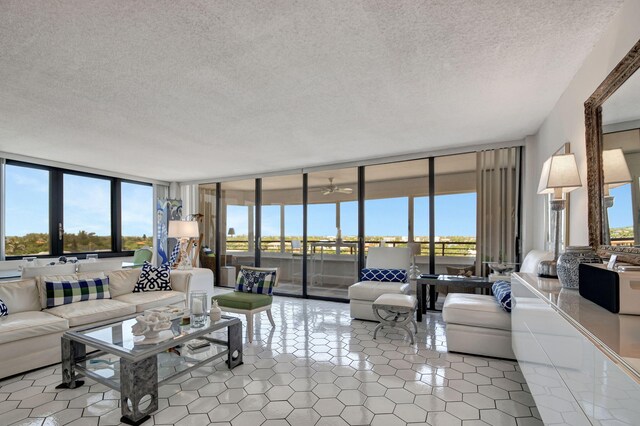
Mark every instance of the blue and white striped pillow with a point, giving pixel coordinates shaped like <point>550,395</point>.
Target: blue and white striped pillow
<point>384,275</point>
<point>502,293</point>
<point>64,292</point>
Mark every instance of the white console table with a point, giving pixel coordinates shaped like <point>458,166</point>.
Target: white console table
<point>581,362</point>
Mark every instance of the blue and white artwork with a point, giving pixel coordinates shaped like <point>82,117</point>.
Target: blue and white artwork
<point>166,210</point>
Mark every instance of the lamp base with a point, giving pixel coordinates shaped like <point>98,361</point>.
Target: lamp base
<point>548,269</point>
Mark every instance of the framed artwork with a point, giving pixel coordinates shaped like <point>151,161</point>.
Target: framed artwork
<point>166,210</point>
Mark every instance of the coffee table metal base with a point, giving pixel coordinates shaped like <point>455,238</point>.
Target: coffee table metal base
<point>139,379</point>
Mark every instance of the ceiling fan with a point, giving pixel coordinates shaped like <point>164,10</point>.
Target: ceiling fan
<point>332,189</point>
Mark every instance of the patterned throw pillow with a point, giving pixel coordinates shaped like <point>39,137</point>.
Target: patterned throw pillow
<point>64,292</point>
<point>502,293</point>
<point>386,275</point>
<point>259,282</point>
<point>153,279</point>
<point>4,311</point>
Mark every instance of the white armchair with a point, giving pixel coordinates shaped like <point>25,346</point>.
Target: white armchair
<point>363,293</point>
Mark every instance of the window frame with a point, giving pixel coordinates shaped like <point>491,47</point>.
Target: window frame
<point>56,210</point>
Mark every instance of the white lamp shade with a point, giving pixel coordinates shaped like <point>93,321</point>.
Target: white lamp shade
<point>183,229</point>
<point>559,172</point>
<point>616,170</point>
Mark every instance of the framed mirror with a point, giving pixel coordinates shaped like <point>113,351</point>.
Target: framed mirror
<point>612,120</point>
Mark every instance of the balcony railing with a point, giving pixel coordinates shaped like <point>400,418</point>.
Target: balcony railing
<point>442,248</point>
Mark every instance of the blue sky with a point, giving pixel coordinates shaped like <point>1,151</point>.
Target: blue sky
<point>621,214</point>
<point>86,204</point>
<point>455,215</point>
<point>86,208</point>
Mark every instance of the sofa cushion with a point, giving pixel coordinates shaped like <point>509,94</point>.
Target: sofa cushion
<point>36,271</point>
<point>384,275</point>
<point>65,292</point>
<point>152,299</point>
<point>475,310</point>
<point>241,300</point>
<point>153,278</point>
<point>371,290</point>
<point>122,281</point>
<point>23,325</point>
<point>20,296</point>
<point>91,311</point>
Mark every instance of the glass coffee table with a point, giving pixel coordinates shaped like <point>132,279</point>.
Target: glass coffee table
<point>136,370</point>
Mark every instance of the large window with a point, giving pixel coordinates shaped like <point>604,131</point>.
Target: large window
<point>51,211</point>
<point>455,213</point>
<point>282,230</point>
<point>397,206</point>
<point>137,215</point>
<point>87,214</point>
<point>429,205</point>
<point>332,232</point>
<point>26,211</point>
<point>238,228</point>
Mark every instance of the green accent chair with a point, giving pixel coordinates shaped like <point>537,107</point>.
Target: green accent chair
<point>140,256</point>
<point>248,304</point>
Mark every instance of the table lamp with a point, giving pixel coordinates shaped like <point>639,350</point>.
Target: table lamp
<point>559,176</point>
<point>231,232</point>
<point>183,230</point>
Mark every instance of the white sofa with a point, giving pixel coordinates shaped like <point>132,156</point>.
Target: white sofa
<point>476,324</point>
<point>30,334</point>
<point>364,293</point>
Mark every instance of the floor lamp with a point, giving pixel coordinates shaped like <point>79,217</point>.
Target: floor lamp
<point>559,176</point>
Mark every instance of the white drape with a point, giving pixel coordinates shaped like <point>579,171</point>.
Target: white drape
<point>498,184</point>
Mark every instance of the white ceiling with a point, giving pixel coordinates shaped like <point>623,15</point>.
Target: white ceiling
<point>196,89</point>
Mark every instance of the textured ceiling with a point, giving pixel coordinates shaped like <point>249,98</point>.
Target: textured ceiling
<point>197,89</point>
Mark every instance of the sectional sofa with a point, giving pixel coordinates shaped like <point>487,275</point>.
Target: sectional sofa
<point>30,333</point>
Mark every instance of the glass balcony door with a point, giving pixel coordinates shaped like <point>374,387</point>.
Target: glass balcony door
<point>332,232</point>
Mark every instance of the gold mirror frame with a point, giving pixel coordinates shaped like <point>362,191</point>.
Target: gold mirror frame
<point>593,123</point>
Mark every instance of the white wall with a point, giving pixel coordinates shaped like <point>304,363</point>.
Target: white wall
<point>566,123</point>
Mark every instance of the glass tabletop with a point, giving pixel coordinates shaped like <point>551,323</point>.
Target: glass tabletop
<point>117,338</point>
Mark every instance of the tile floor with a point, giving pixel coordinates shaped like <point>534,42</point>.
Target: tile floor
<point>318,367</point>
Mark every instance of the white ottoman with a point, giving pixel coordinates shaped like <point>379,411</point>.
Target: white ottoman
<point>476,324</point>
<point>395,310</point>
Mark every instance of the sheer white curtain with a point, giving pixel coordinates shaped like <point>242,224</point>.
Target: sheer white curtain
<point>498,183</point>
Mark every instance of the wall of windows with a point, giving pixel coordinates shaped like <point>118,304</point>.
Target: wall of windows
<point>317,227</point>
<point>52,211</point>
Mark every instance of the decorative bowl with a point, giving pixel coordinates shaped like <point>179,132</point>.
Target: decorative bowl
<point>502,268</point>
<point>151,324</point>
